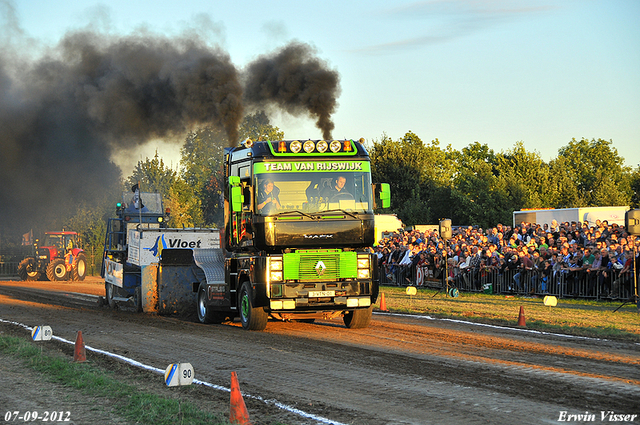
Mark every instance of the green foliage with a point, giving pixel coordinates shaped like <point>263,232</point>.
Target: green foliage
<point>480,187</point>
<point>414,172</point>
<point>90,222</point>
<point>634,184</point>
<point>177,194</point>
<point>597,172</point>
<point>185,206</point>
<point>153,176</point>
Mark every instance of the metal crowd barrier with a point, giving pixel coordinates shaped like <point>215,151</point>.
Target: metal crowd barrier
<point>9,268</point>
<point>598,285</point>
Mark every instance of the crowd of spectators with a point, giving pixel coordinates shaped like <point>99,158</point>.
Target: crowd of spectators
<point>592,259</point>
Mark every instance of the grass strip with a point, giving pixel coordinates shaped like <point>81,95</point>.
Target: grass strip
<point>128,401</point>
<point>595,319</point>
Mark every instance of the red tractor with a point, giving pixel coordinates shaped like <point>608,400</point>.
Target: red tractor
<point>57,258</point>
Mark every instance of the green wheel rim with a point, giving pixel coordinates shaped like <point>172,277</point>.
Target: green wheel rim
<point>245,304</point>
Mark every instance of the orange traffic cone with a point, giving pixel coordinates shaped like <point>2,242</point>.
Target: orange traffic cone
<point>238,413</point>
<point>79,354</point>
<point>383,303</point>
<point>521,321</point>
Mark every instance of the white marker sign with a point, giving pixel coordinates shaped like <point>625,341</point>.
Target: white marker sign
<point>41,333</point>
<point>178,374</point>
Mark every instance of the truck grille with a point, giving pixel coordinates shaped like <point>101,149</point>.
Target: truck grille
<point>311,267</point>
<point>320,265</point>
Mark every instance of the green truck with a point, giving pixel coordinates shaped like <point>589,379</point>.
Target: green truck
<point>299,224</point>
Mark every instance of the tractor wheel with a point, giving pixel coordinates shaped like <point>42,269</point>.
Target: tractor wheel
<point>252,318</point>
<point>57,270</point>
<point>27,270</point>
<point>79,267</point>
<point>358,319</point>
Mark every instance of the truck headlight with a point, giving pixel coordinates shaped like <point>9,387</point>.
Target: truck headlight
<point>275,264</point>
<point>363,262</point>
<point>274,269</point>
<point>275,276</point>
<point>364,266</point>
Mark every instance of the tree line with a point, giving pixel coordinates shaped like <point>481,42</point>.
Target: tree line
<point>478,186</point>
<point>471,186</point>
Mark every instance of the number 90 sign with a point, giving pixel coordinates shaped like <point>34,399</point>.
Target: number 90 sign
<point>41,333</point>
<point>178,374</point>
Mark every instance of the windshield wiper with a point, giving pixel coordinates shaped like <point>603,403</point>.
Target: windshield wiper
<point>342,211</point>
<point>295,211</point>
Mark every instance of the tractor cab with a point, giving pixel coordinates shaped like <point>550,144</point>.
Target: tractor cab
<point>59,244</point>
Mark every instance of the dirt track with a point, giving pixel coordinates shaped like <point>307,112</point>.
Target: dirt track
<point>400,370</point>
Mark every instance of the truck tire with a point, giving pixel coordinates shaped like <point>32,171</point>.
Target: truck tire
<point>358,319</point>
<point>26,270</point>
<point>205,315</point>
<point>109,293</point>
<point>57,270</point>
<point>252,318</point>
<point>79,270</point>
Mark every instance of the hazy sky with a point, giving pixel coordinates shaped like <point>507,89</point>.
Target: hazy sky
<point>496,72</point>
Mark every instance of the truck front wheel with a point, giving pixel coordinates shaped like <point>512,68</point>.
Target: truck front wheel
<point>252,318</point>
<point>358,319</point>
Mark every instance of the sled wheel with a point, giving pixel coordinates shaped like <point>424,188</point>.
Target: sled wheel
<point>109,291</point>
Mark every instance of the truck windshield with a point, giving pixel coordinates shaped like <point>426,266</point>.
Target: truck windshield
<point>151,202</point>
<point>312,192</point>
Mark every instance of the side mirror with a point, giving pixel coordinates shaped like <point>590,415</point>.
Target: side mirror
<point>382,194</point>
<point>235,194</point>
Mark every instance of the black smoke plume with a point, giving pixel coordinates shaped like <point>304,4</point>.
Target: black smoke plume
<point>64,115</point>
<point>295,80</point>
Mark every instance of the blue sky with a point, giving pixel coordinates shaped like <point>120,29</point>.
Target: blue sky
<point>496,72</point>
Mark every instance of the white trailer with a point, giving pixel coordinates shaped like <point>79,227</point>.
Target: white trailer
<point>386,224</point>
<point>591,214</point>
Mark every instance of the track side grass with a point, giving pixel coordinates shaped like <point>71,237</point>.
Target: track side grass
<point>595,319</point>
<point>103,386</point>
